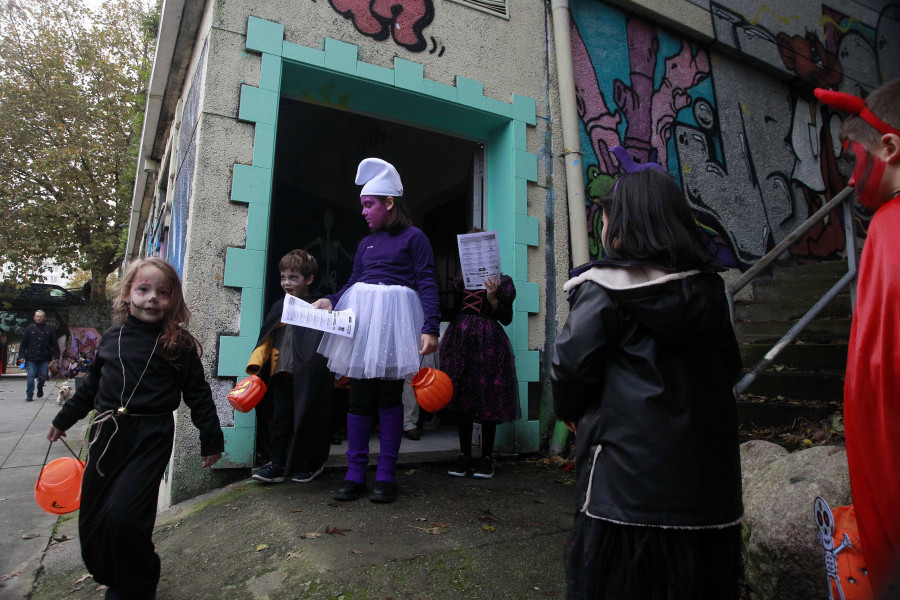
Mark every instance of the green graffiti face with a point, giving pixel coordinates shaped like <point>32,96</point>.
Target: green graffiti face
<point>598,183</point>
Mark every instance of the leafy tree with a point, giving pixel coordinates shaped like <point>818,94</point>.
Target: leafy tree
<point>72,93</point>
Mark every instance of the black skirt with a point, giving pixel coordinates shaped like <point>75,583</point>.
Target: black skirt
<point>608,561</point>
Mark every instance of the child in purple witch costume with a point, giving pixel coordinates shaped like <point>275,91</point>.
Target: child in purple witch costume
<point>478,358</point>
<point>393,292</point>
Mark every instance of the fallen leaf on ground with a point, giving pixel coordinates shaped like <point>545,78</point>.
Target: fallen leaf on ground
<point>10,576</point>
<point>431,530</point>
<point>489,527</point>
<point>410,472</point>
<point>335,531</point>
<point>61,538</point>
<point>83,578</point>
<point>421,519</point>
<point>261,547</point>
<point>356,551</point>
<point>29,536</point>
<point>294,554</point>
<point>2,499</point>
<point>293,510</point>
<point>310,536</point>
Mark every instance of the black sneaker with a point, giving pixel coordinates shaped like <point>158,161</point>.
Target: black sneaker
<point>484,468</point>
<point>271,473</point>
<point>29,399</point>
<point>307,476</point>
<point>40,390</point>
<point>461,467</point>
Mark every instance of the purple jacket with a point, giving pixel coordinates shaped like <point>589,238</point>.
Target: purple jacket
<point>404,259</point>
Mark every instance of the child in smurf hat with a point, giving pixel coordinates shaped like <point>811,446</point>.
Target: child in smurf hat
<point>394,293</point>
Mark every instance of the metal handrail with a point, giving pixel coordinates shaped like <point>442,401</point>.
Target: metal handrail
<point>845,197</point>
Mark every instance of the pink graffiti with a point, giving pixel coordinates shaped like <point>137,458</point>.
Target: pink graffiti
<point>601,124</point>
<point>403,20</point>
<point>683,71</point>
<point>634,99</point>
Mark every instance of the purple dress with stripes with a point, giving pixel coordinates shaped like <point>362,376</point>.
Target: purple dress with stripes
<point>475,352</point>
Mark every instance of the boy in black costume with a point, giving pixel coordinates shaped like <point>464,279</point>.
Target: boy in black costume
<point>300,383</point>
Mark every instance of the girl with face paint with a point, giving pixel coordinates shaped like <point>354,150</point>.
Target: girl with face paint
<point>146,364</point>
<point>872,386</point>
<point>394,294</point>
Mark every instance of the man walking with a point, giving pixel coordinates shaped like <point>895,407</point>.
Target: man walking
<point>37,348</point>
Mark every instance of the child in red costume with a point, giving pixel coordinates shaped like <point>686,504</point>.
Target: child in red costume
<point>872,387</point>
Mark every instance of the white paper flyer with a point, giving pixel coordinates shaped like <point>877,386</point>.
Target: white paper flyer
<point>479,257</point>
<point>300,313</point>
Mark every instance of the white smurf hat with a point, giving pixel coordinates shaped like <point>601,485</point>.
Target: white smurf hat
<point>378,178</point>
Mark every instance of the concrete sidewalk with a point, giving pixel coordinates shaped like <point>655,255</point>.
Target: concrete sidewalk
<point>25,528</point>
<point>444,538</point>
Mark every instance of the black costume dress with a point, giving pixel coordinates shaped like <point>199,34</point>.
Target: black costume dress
<point>130,451</point>
<point>300,423</point>
<point>478,358</point>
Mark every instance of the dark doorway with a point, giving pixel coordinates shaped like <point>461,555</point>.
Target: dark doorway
<point>315,203</point>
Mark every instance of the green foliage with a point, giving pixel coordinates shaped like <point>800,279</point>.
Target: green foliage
<point>72,95</point>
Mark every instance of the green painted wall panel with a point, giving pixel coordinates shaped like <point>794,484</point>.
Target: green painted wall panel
<point>264,36</point>
<point>520,195</point>
<point>440,90</point>
<point>408,75</point>
<point>244,268</point>
<point>234,351</point>
<point>340,56</point>
<point>470,92</point>
<point>257,227</point>
<point>525,165</point>
<point>498,107</point>
<point>375,73</point>
<point>527,293</point>
<point>526,230</point>
<point>520,136</point>
<point>270,72</point>
<point>520,262</point>
<point>251,184</point>
<point>264,146</point>
<point>518,330</point>
<point>251,311</point>
<point>524,109</point>
<point>258,105</point>
<point>303,54</point>
<point>528,365</point>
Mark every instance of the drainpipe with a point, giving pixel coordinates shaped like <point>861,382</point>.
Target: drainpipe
<point>562,20</point>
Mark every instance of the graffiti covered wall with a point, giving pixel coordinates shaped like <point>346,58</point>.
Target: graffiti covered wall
<point>753,150</point>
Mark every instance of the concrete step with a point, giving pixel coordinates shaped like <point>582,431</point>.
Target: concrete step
<point>819,331</point>
<point>803,357</point>
<point>790,290</point>
<point>819,388</point>
<point>831,270</point>
<point>789,309</point>
<point>760,415</point>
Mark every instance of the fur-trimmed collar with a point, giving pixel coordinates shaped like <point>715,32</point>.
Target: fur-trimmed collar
<point>623,278</point>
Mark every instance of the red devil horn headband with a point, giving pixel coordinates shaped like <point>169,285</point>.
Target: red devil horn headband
<point>854,105</point>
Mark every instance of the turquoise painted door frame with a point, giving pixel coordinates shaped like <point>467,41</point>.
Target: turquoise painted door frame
<point>333,76</point>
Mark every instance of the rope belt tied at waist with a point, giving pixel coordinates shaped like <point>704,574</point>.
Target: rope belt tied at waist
<point>112,415</point>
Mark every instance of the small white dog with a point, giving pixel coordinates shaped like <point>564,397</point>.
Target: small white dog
<point>65,392</point>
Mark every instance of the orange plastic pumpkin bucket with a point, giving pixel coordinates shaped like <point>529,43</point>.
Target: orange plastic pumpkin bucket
<point>247,394</point>
<point>58,488</point>
<point>433,389</point>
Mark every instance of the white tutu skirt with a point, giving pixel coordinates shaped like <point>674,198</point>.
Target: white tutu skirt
<point>385,344</point>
